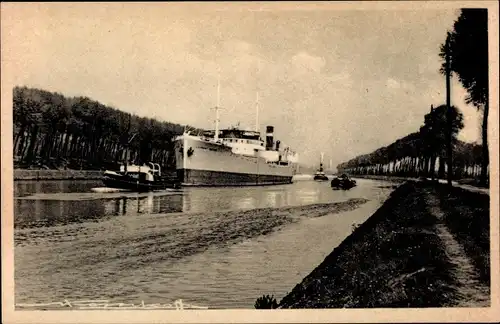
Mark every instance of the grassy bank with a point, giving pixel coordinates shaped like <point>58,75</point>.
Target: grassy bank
<point>461,182</point>
<point>468,219</point>
<point>382,177</point>
<point>397,258</point>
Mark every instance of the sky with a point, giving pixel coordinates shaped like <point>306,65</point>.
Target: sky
<point>344,82</point>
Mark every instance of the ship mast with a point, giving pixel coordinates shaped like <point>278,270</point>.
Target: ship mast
<point>257,126</point>
<point>217,108</point>
<point>257,113</point>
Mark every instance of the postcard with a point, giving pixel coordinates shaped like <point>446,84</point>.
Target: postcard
<point>247,162</point>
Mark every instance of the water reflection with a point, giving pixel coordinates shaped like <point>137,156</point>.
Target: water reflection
<point>246,203</point>
<point>144,205</point>
<point>272,198</point>
<point>26,188</point>
<point>43,213</point>
<point>51,212</point>
<point>50,203</point>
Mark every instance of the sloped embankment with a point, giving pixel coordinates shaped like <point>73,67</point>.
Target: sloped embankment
<point>395,259</point>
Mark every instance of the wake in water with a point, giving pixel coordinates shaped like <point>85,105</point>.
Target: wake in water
<point>106,304</point>
<point>101,258</point>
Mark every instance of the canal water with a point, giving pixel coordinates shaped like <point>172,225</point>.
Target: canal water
<point>212,247</point>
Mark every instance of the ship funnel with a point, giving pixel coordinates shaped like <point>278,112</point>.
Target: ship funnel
<point>278,145</point>
<point>269,138</point>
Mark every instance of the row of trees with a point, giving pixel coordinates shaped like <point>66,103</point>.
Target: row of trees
<point>54,131</point>
<point>464,53</point>
<point>422,153</point>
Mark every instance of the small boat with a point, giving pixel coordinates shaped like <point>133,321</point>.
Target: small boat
<point>320,174</point>
<point>343,182</point>
<point>139,178</point>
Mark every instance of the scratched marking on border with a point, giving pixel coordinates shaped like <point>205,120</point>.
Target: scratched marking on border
<point>105,304</point>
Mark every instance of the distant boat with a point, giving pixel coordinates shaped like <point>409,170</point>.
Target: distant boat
<point>343,182</point>
<point>320,174</point>
<point>139,178</point>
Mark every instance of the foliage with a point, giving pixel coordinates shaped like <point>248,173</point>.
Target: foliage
<point>54,131</point>
<point>266,302</point>
<point>433,132</point>
<point>468,46</point>
<point>416,154</point>
<point>468,56</point>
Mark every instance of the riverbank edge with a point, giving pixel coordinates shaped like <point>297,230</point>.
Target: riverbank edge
<point>26,174</point>
<point>397,280</point>
<point>50,174</point>
<point>384,178</point>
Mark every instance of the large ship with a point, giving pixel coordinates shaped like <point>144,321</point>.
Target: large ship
<point>233,157</point>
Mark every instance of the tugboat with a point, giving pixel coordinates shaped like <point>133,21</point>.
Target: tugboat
<point>343,182</point>
<point>139,178</point>
<point>320,174</point>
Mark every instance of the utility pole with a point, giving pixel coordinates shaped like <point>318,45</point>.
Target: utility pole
<point>448,112</point>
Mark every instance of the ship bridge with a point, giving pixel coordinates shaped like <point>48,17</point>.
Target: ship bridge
<point>243,142</point>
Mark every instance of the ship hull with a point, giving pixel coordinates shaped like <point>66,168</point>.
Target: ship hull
<point>221,178</point>
<point>201,163</point>
<point>132,185</point>
<point>128,183</point>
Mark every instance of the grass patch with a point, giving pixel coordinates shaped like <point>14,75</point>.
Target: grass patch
<point>467,215</point>
<point>394,259</point>
<point>266,302</point>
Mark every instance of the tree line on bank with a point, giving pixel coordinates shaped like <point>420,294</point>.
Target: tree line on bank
<point>422,153</point>
<point>53,131</point>
<point>464,53</point>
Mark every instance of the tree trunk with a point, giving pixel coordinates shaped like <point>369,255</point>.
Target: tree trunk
<point>56,146</point>
<point>26,145</point>
<point>448,112</point>
<point>60,147</point>
<point>484,165</point>
<point>49,144</point>
<point>433,167</point>
<point>426,167</point>
<point>65,148</point>
<point>30,153</point>
<point>441,168</point>
<point>18,143</point>
<point>76,147</point>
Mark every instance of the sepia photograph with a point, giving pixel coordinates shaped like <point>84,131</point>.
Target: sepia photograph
<point>268,159</point>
